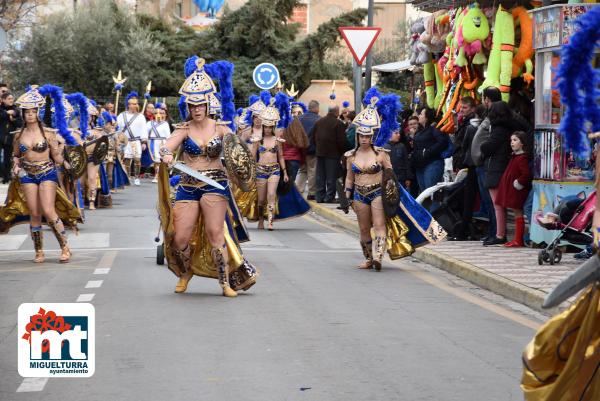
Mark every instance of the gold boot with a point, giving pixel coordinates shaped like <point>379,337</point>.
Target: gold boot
<point>92,199</point>
<point>218,256</point>
<point>380,243</point>
<point>367,249</point>
<point>37,237</point>
<point>61,237</point>
<point>183,262</point>
<point>270,210</point>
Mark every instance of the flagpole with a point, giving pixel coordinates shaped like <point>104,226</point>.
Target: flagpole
<point>147,95</point>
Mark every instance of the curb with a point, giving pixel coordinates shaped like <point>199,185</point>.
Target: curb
<point>510,289</point>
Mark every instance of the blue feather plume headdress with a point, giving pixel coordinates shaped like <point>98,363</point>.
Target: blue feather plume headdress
<point>282,103</point>
<point>578,84</point>
<point>130,95</point>
<point>60,113</point>
<point>183,109</point>
<point>106,118</point>
<point>222,72</point>
<point>300,105</point>
<point>80,103</point>
<point>249,115</point>
<point>387,107</point>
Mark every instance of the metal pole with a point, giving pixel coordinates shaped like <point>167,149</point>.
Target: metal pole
<point>369,58</point>
<point>357,69</point>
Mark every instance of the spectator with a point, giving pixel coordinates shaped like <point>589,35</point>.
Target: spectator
<point>399,159</point>
<point>294,147</point>
<point>3,88</point>
<point>149,112</point>
<point>329,137</point>
<point>471,187</point>
<point>10,120</point>
<point>490,95</point>
<point>307,172</point>
<point>351,132</point>
<point>467,108</point>
<point>516,184</point>
<point>429,144</point>
<point>496,151</point>
<point>345,117</point>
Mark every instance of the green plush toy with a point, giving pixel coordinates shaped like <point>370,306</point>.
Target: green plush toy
<point>500,64</point>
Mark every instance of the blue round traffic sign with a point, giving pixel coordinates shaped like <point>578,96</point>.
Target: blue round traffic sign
<point>265,76</point>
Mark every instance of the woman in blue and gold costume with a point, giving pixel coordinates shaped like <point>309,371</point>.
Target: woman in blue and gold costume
<point>399,222</point>
<point>34,193</point>
<point>203,228</point>
<point>273,196</point>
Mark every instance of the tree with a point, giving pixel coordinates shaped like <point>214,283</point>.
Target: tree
<point>82,50</point>
<point>17,13</point>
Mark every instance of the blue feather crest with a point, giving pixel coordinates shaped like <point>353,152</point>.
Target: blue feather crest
<point>578,84</point>
<point>183,108</point>
<point>130,95</point>
<point>190,66</point>
<point>222,71</point>
<point>159,105</point>
<point>253,99</point>
<point>265,96</point>
<point>118,87</point>
<point>105,118</point>
<point>147,96</point>
<point>60,114</point>
<point>80,104</point>
<point>372,92</point>
<point>301,105</point>
<point>388,107</point>
<point>282,103</point>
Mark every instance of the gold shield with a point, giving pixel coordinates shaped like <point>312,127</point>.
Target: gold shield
<point>239,162</point>
<point>100,150</point>
<point>77,158</point>
<point>390,193</point>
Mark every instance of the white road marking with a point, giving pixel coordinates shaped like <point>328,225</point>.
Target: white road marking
<point>153,248</point>
<point>12,242</point>
<point>335,240</point>
<point>85,297</point>
<point>102,270</point>
<point>32,384</point>
<point>89,240</point>
<point>94,284</point>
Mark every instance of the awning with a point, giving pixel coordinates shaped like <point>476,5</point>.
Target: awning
<point>397,66</point>
<point>435,5</point>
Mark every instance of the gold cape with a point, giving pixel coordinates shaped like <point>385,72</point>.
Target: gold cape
<point>242,275</point>
<point>562,362</point>
<point>398,246</point>
<point>17,207</point>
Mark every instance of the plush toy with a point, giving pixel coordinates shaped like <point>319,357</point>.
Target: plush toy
<point>472,32</point>
<point>525,52</point>
<point>429,77</point>
<point>419,53</point>
<point>437,27</point>
<point>500,62</point>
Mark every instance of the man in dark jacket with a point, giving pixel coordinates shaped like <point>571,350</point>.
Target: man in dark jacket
<point>328,136</point>
<point>399,160</point>
<point>10,120</point>
<point>467,107</point>
<point>307,172</point>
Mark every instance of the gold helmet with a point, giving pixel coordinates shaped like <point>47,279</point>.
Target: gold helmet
<point>270,115</point>
<point>198,87</point>
<point>32,99</point>
<point>368,120</point>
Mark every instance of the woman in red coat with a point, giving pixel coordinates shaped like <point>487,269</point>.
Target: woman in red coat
<point>516,184</point>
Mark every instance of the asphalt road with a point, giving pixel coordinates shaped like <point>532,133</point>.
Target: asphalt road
<point>312,328</point>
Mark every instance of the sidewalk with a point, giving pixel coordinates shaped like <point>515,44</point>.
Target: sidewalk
<point>511,272</point>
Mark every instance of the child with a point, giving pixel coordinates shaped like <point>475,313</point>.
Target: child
<point>516,184</point>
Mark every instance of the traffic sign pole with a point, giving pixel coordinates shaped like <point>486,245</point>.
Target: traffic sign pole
<point>357,75</point>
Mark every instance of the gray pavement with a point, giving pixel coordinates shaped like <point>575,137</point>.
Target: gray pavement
<point>312,328</point>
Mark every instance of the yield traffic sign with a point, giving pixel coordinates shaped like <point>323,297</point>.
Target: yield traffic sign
<point>359,39</point>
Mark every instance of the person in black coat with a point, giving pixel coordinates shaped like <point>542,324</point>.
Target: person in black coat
<point>496,151</point>
<point>428,146</point>
<point>10,120</point>
<point>399,159</point>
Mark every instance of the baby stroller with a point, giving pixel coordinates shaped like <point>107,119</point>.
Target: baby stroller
<point>573,217</point>
<point>445,203</point>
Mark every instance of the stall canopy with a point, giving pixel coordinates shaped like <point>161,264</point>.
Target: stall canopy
<point>396,66</point>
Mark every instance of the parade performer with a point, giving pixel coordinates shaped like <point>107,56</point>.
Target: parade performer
<point>158,133</point>
<point>117,176</point>
<point>273,196</point>
<point>35,193</point>
<point>561,361</point>
<point>203,228</point>
<point>399,222</point>
<point>256,105</point>
<point>133,124</point>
